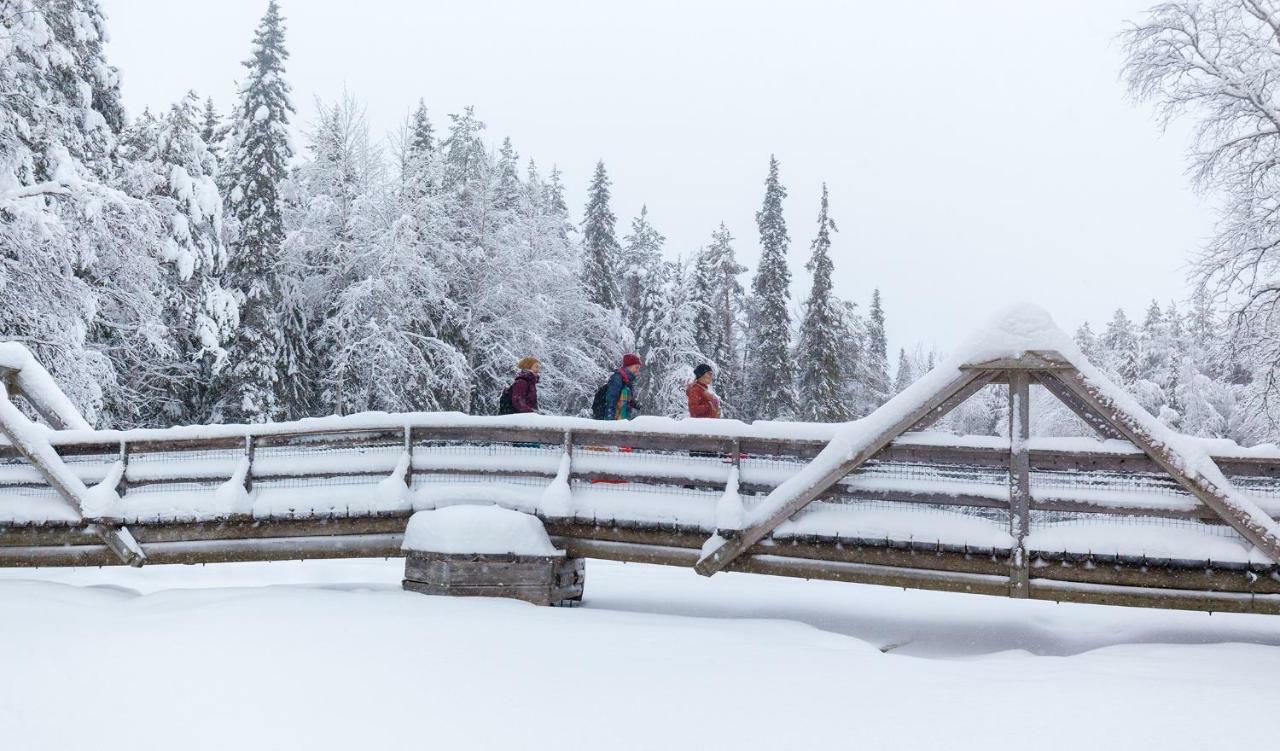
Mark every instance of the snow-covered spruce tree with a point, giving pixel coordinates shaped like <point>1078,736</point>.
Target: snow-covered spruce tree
<point>80,261</point>
<point>876,386</point>
<point>905,375</point>
<point>820,371</point>
<point>641,257</point>
<point>575,337</point>
<point>335,216</point>
<point>1120,349</point>
<point>1089,344</point>
<point>671,349</point>
<point>422,135</point>
<point>214,132</point>
<point>258,383</point>
<point>599,243</point>
<point>167,163</point>
<point>719,315</point>
<point>769,370</point>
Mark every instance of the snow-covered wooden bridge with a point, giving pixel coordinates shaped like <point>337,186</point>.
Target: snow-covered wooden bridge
<point>1139,516</point>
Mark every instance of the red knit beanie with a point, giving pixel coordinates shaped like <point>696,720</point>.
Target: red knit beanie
<point>629,359</point>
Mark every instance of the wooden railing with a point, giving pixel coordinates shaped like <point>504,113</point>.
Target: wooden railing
<point>527,455</point>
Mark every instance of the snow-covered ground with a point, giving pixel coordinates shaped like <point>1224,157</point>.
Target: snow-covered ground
<point>333,655</point>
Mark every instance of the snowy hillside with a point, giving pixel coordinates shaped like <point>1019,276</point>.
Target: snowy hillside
<point>333,655</point>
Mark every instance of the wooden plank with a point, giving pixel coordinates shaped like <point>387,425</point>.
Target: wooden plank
<point>1149,574</point>
<point>1254,530</point>
<point>778,512</point>
<point>1019,479</point>
<point>1217,602</point>
<point>1032,360</point>
<point>861,573</point>
<point>1088,415</point>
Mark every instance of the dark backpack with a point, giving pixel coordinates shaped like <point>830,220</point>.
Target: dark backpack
<point>504,402</point>
<point>598,409</point>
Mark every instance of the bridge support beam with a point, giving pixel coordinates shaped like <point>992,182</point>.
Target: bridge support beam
<point>1019,480</point>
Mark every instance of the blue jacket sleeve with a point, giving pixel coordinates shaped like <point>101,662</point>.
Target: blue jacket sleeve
<point>611,396</point>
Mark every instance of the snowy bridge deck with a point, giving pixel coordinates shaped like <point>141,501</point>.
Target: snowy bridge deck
<point>1145,517</point>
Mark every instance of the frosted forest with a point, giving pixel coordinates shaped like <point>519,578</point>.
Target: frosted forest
<point>192,266</point>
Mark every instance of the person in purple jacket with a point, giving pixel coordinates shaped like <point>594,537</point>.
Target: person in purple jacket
<point>524,391</point>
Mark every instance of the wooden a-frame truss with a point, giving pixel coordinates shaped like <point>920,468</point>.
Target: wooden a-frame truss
<point>1059,377</point>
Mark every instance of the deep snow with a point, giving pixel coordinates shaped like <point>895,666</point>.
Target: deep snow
<point>329,655</point>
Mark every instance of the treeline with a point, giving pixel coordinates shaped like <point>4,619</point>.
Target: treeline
<point>1180,363</point>
<point>184,267</point>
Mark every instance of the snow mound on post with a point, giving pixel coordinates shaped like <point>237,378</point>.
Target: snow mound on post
<point>483,530</point>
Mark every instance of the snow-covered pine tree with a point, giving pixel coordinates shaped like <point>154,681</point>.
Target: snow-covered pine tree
<point>905,375</point>
<point>422,136</point>
<point>678,353</point>
<point>876,386</point>
<point>769,370</point>
<point>641,257</point>
<point>719,315</point>
<point>1089,344</point>
<point>820,371</point>
<point>262,357</point>
<point>554,204</point>
<point>334,218</point>
<point>170,166</point>
<point>1120,353</point>
<point>573,336</point>
<point>214,132</point>
<point>599,243</point>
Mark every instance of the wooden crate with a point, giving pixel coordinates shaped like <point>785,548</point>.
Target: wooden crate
<point>542,580</point>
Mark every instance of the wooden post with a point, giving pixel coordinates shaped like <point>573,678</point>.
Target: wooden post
<point>1019,480</point>
<point>735,458</point>
<point>123,486</point>
<point>568,448</point>
<point>408,450</point>
<point>248,455</point>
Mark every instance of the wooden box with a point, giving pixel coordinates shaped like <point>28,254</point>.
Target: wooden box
<point>542,580</point>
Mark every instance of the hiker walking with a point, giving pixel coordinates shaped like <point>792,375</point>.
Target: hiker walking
<point>522,395</point>
<point>703,402</point>
<point>619,393</point>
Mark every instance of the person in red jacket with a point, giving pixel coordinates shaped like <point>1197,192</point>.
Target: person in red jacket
<point>524,391</point>
<point>703,402</point>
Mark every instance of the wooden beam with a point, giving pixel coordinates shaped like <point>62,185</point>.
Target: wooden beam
<point>1054,386</point>
<point>1256,531</point>
<point>1019,480</point>
<point>1033,360</point>
<point>787,502</point>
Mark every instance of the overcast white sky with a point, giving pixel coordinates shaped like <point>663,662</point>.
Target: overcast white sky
<point>977,152</point>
